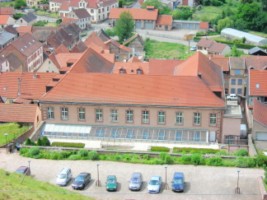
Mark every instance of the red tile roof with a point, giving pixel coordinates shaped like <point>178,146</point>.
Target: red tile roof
<point>256,62</point>
<point>137,13</point>
<point>199,65</point>
<point>163,67</point>
<point>64,58</point>
<point>6,11</point>
<point>4,19</point>
<point>204,25</point>
<point>221,61</point>
<point>122,47</point>
<point>94,39</point>
<point>260,112</point>
<point>18,113</point>
<point>164,20</point>
<point>133,89</point>
<point>258,83</point>
<point>131,67</point>
<point>205,43</point>
<point>66,20</point>
<point>32,87</point>
<point>24,29</point>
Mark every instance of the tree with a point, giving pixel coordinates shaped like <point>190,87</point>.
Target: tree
<point>264,5</point>
<point>183,13</point>
<point>124,26</point>
<point>224,23</point>
<point>20,4</point>
<point>235,52</point>
<point>163,8</point>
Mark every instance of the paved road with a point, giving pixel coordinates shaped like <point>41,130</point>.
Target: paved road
<point>209,183</point>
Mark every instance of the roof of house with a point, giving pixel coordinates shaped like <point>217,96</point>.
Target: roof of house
<point>5,37</point>
<point>95,39</point>
<point>67,20</point>
<point>164,20</point>
<point>6,11</point>
<point>79,47</point>
<point>33,85</point>
<point>258,83</point>
<point>134,89</point>
<point>102,3</point>
<point>11,29</point>
<point>29,17</point>
<point>64,58</point>
<point>256,62</point>
<point>131,67</point>
<point>256,50</point>
<point>163,67</point>
<point>25,113</point>
<point>217,47</point>
<point>205,43</point>
<point>204,25</point>
<point>102,35</point>
<point>92,61</point>
<point>118,45</point>
<point>200,66</point>
<point>221,61</point>
<point>24,29</point>
<point>131,39</point>
<point>61,49</point>
<point>4,19</point>
<point>26,44</point>
<point>15,63</point>
<point>237,63</point>
<point>137,13</point>
<point>81,13</point>
<point>260,112</point>
<point>42,33</point>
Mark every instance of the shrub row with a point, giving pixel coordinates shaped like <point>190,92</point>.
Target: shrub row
<point>163,158</point>
<point>159,149</point>
<point>68,144</point>
<point>238,45</point>
<point>195,150</point>
<point>42,141</point>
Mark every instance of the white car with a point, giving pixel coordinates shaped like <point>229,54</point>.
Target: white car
<point>232,97</point>
<point>154,185</point>
<point>64,177</point>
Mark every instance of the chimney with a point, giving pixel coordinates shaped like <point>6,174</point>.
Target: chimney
<point>19,86</point>
<point>35,75</point>
<point>199,75</point>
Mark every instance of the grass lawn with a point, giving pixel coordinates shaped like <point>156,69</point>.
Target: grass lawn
<point>48,14</point>
<point>7,4</point>
<point>50,24</point>
<point>13,130</point>
<point>166,50</point>
<point>30,189</point>
<point>207,13</point>
<point>259,33</point>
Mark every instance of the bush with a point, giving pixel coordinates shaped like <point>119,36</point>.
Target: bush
<point>93,155</point>
<point>197,159</point>
<point>34,152</point>
<point>40,23</point>
<point>261,160</point>
<point>29,142</point>
<point>185,159</point>
<point>195,150</point>
<point>110,32</point>
<point>159,149</point>
<point>245,162</point>
<point>83,153</point>
<point>214,161</point>
<point>166,158</point>
<point>75,157</point>
<point>68,144</point>
<point>241,152</point>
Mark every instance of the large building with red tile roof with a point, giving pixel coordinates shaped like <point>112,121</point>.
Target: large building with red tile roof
<point>147,18</point>
<point>259,132</point>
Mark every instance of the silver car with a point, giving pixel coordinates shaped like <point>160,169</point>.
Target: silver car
<point>64,177</point>
<point>136,181</point>
<point>154,184</point>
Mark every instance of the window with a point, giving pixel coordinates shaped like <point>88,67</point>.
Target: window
<point>179,118</point>
<point>161,117</point>
<point>239,91</point>
<point>145,116</point>
<point>81,113</point>
<point>130,133</point>
<point>161,135</point>
<point>50,113</point>
<point>178,135</point>
<point>232,90</point>
<point>100,132</point>
<point>114,115</point>
<point>196,136</point>
<point>114,132</point>
<point>239,81</point>
<point>145,134</point>
<point>213,119</point>
<point>64,113</point>
<point>233,82</point>
<point>237,72</point>
<point>129,116</point>
<point>197,118</point>
<point>99,115</point>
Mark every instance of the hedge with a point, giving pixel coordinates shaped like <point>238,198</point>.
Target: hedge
<point>238,45</point>
<point>195,150</point>
<point>68,144</point>
<point>159,149</point>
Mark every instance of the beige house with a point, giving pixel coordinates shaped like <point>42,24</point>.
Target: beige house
<point>259,131</point>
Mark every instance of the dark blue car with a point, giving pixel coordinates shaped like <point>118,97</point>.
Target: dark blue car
<point>178,182</point>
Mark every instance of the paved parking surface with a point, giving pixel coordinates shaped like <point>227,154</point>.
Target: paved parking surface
<point>201,182</point>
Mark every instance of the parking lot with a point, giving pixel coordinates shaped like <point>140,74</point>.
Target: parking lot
<point>202,182</point>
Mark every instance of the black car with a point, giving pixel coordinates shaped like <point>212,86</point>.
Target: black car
<point>81,181</point>
<point>24,170</point>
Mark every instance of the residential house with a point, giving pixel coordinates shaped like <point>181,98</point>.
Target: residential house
<point>256,51</point>
<point>136,43</point>
<point>208,46</point>
<point>6,20</point>
<point>24,29</point>
<point>12,30</point>
<point>163,67</point>
<point>4,64</point>
<point>33,3</point>
<point>22,113</point>
<point>259,130</point>
<point>164,22</point>
<point>82,16</point>
<point>27,51</point>
<point>190,3</point>
<point>26,20</point>
<point>5,38</point>
<point>7,11</point>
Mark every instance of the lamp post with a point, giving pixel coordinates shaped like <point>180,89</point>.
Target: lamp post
<point>237,190</point>
<point>6,134</point>
<point>166,180</point>
<point>97,182</point>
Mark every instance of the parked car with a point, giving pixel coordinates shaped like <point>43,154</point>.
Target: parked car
<point>24,170</point>
<point>178,182</point>
<point>193,48</point>
<point>232,97</point>
<point>81,181</point>
<point>111,183</point>
<point>154,185</point>
<point>136,181</point>
<point>64,177</point>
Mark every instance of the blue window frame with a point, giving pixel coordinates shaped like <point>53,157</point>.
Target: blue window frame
<point>114,132</point>
<point>237,72</point>
<point>178,135</point>
<point>100,132</point>
<point>130,133</point>
<point>146,134</point>
<point>161,135</point>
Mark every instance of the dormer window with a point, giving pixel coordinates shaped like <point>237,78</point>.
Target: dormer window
<point>139,71</point>
<point>122,71</point>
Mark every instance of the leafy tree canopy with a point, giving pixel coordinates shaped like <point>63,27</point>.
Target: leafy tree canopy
<point>20,4</point>
<point>124,26</point>
<point>163,8</point>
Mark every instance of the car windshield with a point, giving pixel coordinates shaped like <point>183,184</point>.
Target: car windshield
<point>79,178</point>
<point>178,181</point>
<point>154,182</point>
<point>111,180</point>
<point>135,180</point>
<point>21,170</point>
<point>62,176</point>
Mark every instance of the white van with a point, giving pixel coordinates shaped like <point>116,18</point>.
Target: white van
<point>64,177</point>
